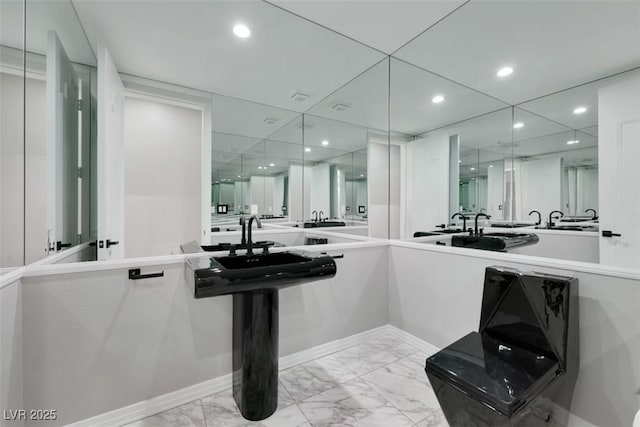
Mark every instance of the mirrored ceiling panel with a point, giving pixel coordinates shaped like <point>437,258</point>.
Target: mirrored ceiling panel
<point>59,16</point>
<point>576,108</point>
<point>281,60</point>
<point>535,40</point>
<point>422,101</point>
<point>363,101</point>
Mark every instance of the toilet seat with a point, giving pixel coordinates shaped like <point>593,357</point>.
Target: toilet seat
<point>501,377</point>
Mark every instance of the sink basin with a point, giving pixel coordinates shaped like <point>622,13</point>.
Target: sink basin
<point>570,228</point>
<point>314,224</point>
<point>495,241</point>
<point>426,233</point>
<point>226,246</point>
<point>241,273</point>
<point>510,225</point>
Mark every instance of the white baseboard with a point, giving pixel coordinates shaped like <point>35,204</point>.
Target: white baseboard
<point>137,411</point>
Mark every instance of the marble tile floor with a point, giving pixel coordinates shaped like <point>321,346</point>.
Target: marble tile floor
<point>380,382</point>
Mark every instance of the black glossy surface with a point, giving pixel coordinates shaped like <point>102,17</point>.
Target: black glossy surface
<point>501,376</point>
<point>510,225</point>
<point>314,224</point>
<point>241,273</point>
<point>255,353</point>
<point>479,242</point>
<point>495,241</point>
<point>526,351</point>
<point>426,233</point>
<point>570,228</point>
<point>227,245</point>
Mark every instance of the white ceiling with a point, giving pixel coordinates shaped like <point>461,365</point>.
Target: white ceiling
<point>552,45</point>
<point>191,43</point>
<point>44,16</point>
<point>383,25</point>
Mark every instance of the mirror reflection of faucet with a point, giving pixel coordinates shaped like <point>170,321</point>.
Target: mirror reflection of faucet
<point>539,217</point>
<point>550,224</point>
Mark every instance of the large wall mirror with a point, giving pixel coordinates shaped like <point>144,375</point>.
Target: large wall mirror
<point>53,207</point>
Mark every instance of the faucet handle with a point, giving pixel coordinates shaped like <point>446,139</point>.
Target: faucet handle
<point>265,249</point>
<point>232,250</point>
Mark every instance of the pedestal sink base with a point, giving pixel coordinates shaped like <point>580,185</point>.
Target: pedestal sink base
<point>255,353</point>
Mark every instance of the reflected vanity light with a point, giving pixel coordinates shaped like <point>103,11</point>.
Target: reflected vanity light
<point>361,175</point>
<point>241,31</point>
<point>437,99</point>
<point>574,141</point>
<point>580,110</point>
<point>490,166</point>
<point>518,125</point>
<point>307,149</point>
<point>504,71</point>
<point>325,142</point>
<point>271,164</point>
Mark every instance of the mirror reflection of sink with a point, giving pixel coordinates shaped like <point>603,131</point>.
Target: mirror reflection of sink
<point>510,225</point>
<point>570,228</point>
<point>226,246</point>
<point>494,241</point>
<point>240,273</point>
<point>426,233</point>
<point>314,224</point>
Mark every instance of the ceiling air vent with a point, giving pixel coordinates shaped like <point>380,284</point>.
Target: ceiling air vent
<point>271,120</point>
<point>340,107</point>
<point>299,96</point>
<point>307,125</point>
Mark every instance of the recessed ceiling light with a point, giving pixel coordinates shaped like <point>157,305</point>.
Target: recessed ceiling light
<point>473,169</point>
<point>259,167</point>
<point>241,31</point>
<point>579,110</point>
<point>490,166</point>
<point>437,99</point>
<point>459,161</point>
<point>239,176</point>
<point>518,125</point>
<point>325,142</point>
<point>575,141</point>
<point>361,175</point>
<point>271,164</point>
<point>307,149</point>
<point>504,71</point>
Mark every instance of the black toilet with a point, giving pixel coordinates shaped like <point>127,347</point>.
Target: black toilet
<point>521,367</point>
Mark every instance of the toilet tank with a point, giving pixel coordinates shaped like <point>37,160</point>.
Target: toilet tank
<point>534,311</point>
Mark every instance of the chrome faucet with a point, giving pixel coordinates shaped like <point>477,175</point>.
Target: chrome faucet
<point>464,220</point>
<point>249,242</point>
<point>595,214</point>
<point>539,216</point>
<point>243,241</point>
<point>550,224</point>
<point>316,215</point>
<point>321,216</point>
<point>476,222</point>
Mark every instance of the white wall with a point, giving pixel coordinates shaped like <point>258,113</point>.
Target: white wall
<point>162,177</point>
<point>427,183</point>
<point>432,297</point>
<point>541,186</point>
<point>242,195</point>
<point>587,190</point>
<point>295,207</point>
<point>96,341</point>
<point>261,190</point>
<point>319,188</point>
<point>378,188</point>
<point>11,172</point>
<point>278,194</point>
<point>495,190</point>
<point>11,350</point>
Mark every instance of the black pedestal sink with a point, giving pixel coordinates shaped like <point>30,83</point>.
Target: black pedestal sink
<point>254,281</point>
